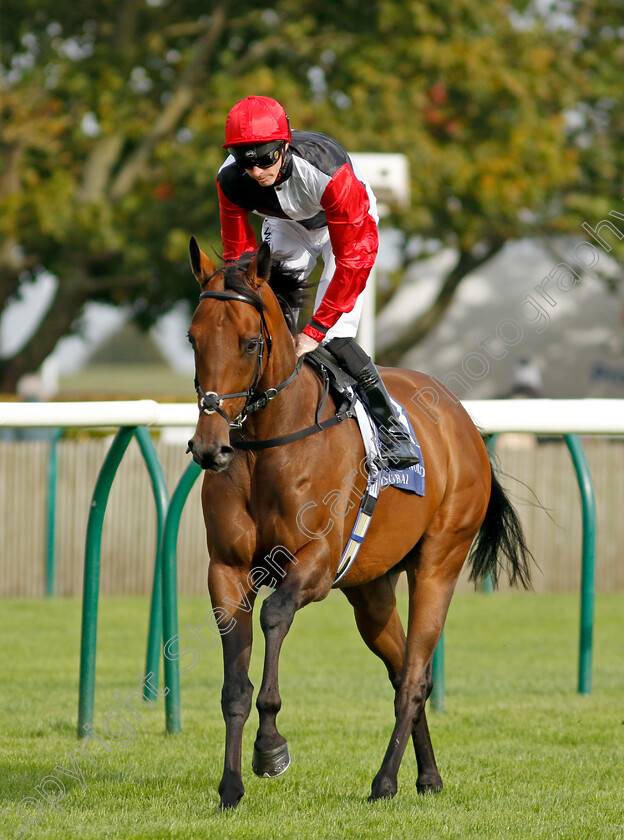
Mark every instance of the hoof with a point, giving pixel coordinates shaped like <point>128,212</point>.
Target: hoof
<point>432,785</point>
<point>230,800</point>
<point>271,763</point>
<point>382,789</point>
<point>228,804</point>
<point>231,791</point>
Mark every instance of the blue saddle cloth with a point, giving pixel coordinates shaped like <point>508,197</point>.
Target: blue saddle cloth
<point>412,479</point>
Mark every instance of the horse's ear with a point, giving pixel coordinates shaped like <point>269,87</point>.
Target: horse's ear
<point>259,268</point>
<point>202,266</point>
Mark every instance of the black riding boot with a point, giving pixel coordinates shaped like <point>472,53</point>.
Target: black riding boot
<point>398,448</point>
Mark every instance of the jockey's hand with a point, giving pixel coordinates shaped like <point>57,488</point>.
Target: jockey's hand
<point>305,344</point>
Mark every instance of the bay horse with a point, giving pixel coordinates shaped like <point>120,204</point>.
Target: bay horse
<point>253,396</point>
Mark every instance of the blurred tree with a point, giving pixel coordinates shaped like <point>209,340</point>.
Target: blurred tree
<point>477,99</point>
<point>595,36</point>
<point>111,124</point>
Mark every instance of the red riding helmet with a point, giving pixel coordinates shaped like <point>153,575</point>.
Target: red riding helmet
<point>257,119</point>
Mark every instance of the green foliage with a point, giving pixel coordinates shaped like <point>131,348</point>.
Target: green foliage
<point>111,125</point>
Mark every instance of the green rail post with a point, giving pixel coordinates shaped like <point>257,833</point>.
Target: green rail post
<point>161,498</point>
<point>51,513</point>
<point>588,501</point>
<point>170,594</point>
<point>437,672</point>
<point>439,688</point>
<point>91,585</point>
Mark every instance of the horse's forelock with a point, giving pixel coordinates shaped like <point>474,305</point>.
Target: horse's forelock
<point>288,286</point>
<point>234,279</point>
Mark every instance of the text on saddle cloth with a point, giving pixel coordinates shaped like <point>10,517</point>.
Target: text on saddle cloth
<point>411,480</point>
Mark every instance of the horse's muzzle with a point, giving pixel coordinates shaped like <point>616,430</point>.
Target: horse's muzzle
<point>214,456</point>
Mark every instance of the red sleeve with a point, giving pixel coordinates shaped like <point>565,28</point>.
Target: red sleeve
<point>354,239</point>
<point>236,233</point>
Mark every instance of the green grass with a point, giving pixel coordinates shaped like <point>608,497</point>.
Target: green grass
<point>522,755</point>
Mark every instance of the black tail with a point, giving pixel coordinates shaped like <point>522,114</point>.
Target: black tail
<point>500,543</point>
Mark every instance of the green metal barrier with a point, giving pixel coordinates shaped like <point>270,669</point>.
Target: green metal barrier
<point>88,642</point>
<point>50,576</point>
<point>170,595</point>
<point>438,692</point>
<point>588,558</point>
<point>161,498</point>
<point>164,605</point>
<point>588,502</point>
<point>588,563</point>
<point>437,672</point>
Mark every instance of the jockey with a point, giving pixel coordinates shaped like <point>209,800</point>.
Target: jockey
<point>315,202</point>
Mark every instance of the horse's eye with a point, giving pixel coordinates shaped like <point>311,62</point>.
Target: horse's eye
<point>252,345</point>
<point>191,340</point>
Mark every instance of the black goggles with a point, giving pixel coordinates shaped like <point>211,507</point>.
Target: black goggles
<point>262,155</point>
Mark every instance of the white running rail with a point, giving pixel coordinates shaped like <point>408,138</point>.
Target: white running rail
<point>585,416</point>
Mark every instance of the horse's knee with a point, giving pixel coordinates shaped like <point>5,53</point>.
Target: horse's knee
<point>277,611</point>
<point>236,698</point>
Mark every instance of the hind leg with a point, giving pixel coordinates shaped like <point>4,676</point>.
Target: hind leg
<point>432,573</point>
<point>378,621</point>
<point>429,779</point>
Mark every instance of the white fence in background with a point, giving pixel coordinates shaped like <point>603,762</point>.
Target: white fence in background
<point>543,468</point>
<point>583,417</point>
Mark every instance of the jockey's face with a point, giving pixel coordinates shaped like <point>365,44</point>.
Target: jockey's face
<point>267,177</point>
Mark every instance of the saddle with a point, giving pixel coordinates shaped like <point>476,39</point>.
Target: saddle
<point>339,383</point>
<point>343,389</point>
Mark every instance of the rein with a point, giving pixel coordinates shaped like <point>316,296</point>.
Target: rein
<point>210,402</point>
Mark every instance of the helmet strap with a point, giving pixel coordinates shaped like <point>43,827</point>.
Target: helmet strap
<point>286,167</point>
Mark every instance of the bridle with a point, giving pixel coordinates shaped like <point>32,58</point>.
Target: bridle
<point>210,402</point>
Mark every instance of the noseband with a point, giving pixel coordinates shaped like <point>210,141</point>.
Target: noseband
<point>210,401</point>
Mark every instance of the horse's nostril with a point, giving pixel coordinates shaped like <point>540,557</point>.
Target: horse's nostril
<point>189,447</point>
<point>210,456</point>
<point>223,456</point>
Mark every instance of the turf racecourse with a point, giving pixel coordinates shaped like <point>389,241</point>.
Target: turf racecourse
<point>521,754</point>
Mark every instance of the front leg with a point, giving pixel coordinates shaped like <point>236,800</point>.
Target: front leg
<point>307,579</point>
<point>270,755</point>
<point>226,589</point>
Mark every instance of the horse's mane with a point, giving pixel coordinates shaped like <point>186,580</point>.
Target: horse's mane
<point>288,286</point>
